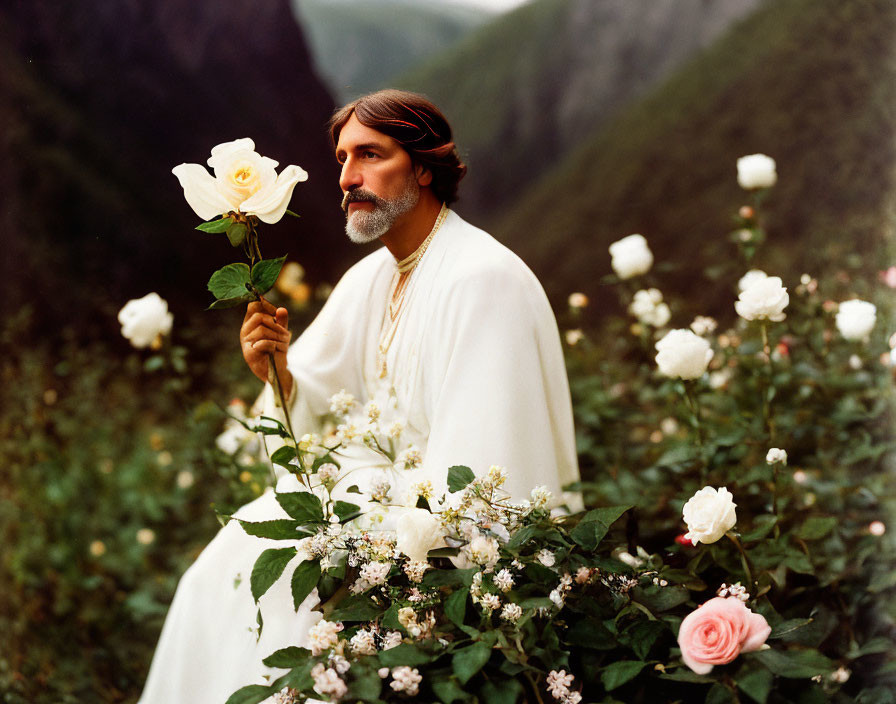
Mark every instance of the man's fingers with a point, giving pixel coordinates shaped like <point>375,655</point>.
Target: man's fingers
<point>257,320</point>
<point>282,317</point>
<point>264,333</point>
<point>261,306</point>
<point>266,346</point>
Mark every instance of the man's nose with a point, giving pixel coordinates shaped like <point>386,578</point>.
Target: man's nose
<point>350,178</point>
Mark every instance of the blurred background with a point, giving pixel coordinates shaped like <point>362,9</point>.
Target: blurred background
<point>582,121</point>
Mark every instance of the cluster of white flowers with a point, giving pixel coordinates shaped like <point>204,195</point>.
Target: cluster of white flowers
<point>406,679</point>
<point>379,490</point>
<point>559,593</point>
<point>512,613</point>
<point>363,642</point>
<point>704,325</point>
<point>631,256</point>
<point>648,307</point>
<point>371,574</point>
<point>540,497</point>
<point>324,635</point>
<point>416,627</point>
<point>287,695</point>
<point>145,321</point>
<point>559,683</point>
<point>546,557</point>
<point>683,354</point>
<point>415,569</point>
<point>483,550</point>
<point>327,682</point>
<point>736,590</point>
<point>342,403</point>
<point>709,514</point>
<point>504,580</point>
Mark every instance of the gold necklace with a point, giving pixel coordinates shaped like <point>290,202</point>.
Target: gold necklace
<point>398,290</point>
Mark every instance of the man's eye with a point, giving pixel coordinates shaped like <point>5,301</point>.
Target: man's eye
<point>370,155</point>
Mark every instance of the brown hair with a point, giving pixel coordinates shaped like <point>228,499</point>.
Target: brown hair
<point>418,126</point>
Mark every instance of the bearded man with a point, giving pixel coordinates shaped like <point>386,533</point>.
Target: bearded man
<point>443,325</point>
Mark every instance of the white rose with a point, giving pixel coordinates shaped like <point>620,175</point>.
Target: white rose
<point>683,354</point>
<point>709,514</point>
<point>418,531</point>
<point>631,256</point>
<point>776,454</point>
<point>764,299</point>
<point>648,307</point>
<point>750,278</point>
<point>483,550</point>
<point>855,319</point>
<point>145,319</point>
<point>244,181</point>
<point>756,171</point>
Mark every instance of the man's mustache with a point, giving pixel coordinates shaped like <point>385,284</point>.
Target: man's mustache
<point>359,195</point>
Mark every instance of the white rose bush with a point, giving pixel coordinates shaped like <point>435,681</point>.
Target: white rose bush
<point>711,563</point>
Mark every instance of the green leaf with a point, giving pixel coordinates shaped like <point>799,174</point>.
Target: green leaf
<point>449,577</point>
<point>236,233</point>
<point>762,525</point>
<point>796,664</point>
<point>283,456</point>
<point>295,215</point>
<point>789,626</point>
<point>356,608</point>
<point>447,691</point>
<point>685,675</point>
<point>365,686</point>
<point>304,580</point>
<point>756,684</point>
<point>277,529</point>
<point>265,273</point>
<point>816,527</point>
<point>292,656</point>
<point>404,654</point>
<point>353,489</point>
<point>456,606</point>
<point>660,599</point>
<point>215,226</point>
<point>268,568</point>
<point>252,694</point>
<point>719,694</point>
<point>594,525</point>
<point>301,505</point>
<point>154,363</point>
<point>223,303</point>
<point>345,510</point>
<point>501,692</point>
<point>458,477</point>
<point>468,661</point>
<point>229,282</point>
<point>618,673</point>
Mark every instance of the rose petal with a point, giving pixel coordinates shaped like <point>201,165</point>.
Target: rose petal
<point>758,632</point>
<point>201,191</point>
<point>221,153</point>
<point>269,204</point>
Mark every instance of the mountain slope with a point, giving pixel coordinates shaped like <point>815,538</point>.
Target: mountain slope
<point>810,82</point>
<point>360,47</point>
<point>98,101</point>
<point>525,89</point>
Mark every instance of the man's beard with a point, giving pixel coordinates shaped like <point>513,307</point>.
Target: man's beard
<point>363,226</point>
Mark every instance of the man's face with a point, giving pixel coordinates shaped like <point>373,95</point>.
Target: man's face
<point>379,177</point>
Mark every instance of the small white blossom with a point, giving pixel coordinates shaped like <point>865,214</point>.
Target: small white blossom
<point>375,573</point>
<point>406,679</point>
<point>415,569</point>
<point>372,411</point>
<point>764,299</point>
<point>323,635</point>
<point>341,403</point>
<point>328,473</point>
<point>855,319</point>
<point>840,675</point>
<point>504,580</point>
<point>497,475</point>
<point>511,612</point>
<point>546,557</point>
<point>756,171</point>
<point>145,321</point>
<point>391,639</point>
<point>631,256</point>
<point>558,683</point>
<point>574,337</point>
<point>776,454</point>
<point>483,550</point>
<point>557,597</point>
<point>490,602</point>
<point>379,490</point>
<point>682,354</point>
<point>409,458</point>
<point>877,528</point>
<point>577,300</point>
<point>584,574</point>
<point>540,497</point>
<point>648,307</point>
<point>363,643</point>
<point>703,325</point>
<point>396,429</point>
<point>327,682</point>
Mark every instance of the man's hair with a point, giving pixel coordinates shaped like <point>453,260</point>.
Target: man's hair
<point>418,126</point>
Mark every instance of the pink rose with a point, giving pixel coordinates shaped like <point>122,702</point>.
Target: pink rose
<point>718,631</point>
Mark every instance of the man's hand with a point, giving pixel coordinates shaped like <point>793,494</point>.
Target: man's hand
<point>266,330</point>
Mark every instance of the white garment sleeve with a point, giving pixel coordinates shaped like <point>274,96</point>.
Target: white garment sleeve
<point>499,393</point>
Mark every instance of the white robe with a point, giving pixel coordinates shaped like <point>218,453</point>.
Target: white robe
<point>475,370</point>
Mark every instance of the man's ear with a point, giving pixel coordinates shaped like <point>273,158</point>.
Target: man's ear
<point>424,175</point>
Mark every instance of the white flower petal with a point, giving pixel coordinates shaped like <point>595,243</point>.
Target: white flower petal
<point>222,152</point>
<point>201,191</point>
<point>269,204</point>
